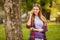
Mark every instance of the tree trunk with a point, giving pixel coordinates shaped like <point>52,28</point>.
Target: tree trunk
<point>12,20</point>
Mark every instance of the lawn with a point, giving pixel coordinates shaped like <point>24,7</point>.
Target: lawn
<point>53,32</point>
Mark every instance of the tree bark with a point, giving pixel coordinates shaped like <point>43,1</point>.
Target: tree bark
<point>12,20</point>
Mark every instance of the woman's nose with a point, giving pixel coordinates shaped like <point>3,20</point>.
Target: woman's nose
<point>35,10</point>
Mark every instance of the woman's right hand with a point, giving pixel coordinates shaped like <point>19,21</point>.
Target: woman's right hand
<point>31,13</point>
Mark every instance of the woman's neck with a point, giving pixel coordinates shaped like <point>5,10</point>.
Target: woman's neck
<point>36,15</point>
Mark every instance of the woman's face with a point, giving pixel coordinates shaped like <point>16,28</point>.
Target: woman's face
<point>36,10</point>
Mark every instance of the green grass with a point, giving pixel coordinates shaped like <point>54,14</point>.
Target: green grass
<point>2,32</point>
<point>53,32</point>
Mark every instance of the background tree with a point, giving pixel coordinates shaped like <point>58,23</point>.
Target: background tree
<point>13,20</point>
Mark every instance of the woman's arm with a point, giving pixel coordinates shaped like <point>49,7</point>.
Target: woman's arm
<point>44,29</point>
<point>39,30</point>
<point>28,24</point>
<point>29,21</point>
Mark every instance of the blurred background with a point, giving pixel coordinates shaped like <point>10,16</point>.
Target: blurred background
<point>50,9</point>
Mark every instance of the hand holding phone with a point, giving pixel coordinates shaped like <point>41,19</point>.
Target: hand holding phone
<point>31,13</point>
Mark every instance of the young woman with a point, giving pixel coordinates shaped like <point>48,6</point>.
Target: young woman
<point>37,23</point>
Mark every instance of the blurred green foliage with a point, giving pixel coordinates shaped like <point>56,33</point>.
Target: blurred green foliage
<point>31,2</point>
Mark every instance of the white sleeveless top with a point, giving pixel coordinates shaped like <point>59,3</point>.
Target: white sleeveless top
<point>38,22</point>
